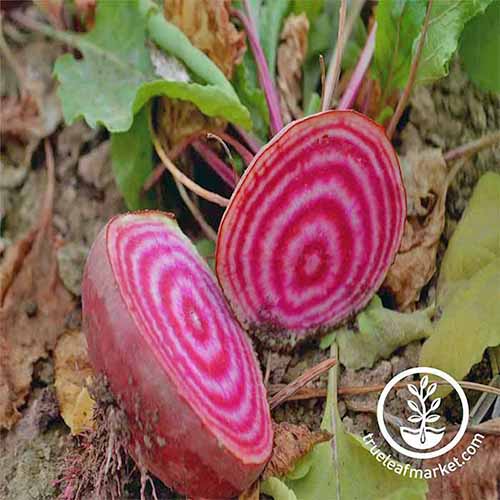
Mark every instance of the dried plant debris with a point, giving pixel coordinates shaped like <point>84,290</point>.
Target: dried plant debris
<point>73,373</point>
<point>34,306</point>
<point>99,466</point>
<point>208,26</point>
<point>291,443</point>
<point>291,56</point>
<point>425,180</point>
<point>36,112</point>
<point>251,493</point>
<point>479,478</point>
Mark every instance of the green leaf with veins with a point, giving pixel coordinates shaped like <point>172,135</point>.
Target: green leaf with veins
<point>132,161</point>
<point>398,24</point>
<point>447,21</point>
<point>319,477</point>
<point>115,77</point>
<point>380,332</point>
<point>468,287</point>
<point>480,48</point>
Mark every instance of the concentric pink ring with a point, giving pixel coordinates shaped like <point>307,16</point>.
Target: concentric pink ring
<point>324,197</point>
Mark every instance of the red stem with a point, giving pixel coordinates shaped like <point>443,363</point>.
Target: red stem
<point>357,77</point>
<point>225,172</point>
<point>252,142</point>
<point>265,80</point>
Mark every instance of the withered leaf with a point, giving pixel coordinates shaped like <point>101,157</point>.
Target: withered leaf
<point>477,478</point>
<point>425,180</point>
<point>34,306</point>
<point>291,443</point>
<point>291,56</point>
<point>72,374</point>
<point>208,26</point>
<point>252,492</point>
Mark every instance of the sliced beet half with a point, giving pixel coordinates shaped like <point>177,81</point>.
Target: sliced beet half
<point>312,227</point>
<point>178,362</point>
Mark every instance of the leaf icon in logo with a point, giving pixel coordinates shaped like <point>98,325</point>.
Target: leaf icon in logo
<point>432,389</point>
<point>424,381</point>
<point>415,419</point>
<point>432,418</point>
<point>435,404</point>
<point>413,389</point>
<point>413,406</point>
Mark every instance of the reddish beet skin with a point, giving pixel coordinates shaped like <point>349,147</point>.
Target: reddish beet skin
<point>179,440</point>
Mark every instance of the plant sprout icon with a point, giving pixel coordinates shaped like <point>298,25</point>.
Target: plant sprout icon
<point>424,437</point>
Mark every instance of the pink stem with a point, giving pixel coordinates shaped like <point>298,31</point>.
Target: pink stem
<point>220,167</point>
<point>242,150</point>
<point>252,142</point>
<point>357,77</point>
<point>366,99</point>
<point>265,80</point>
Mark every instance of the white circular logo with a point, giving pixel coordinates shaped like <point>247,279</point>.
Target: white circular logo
<point>420,434</point>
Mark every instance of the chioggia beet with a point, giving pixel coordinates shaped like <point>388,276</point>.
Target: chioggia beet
<point>312,227</point>
<point>160,330</point>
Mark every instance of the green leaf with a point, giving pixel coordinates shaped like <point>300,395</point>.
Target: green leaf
<point>132,161</point>
<point>380,332</point>
<point>354,45</point>
<point>246,85</point>
<point>476,240</point>
<point>398,24</point>
<point>206,248</point>
<point>480,48</point>
<point>321,40</point>
<point>314,104</point>
<point>470,321</point>
<point>326,480</point>
<point>468,287</point>
<point>270,22</point>
<point>311,9</point>
<point>115,77</point>
<point>277,489</point>
<point>447,21</point>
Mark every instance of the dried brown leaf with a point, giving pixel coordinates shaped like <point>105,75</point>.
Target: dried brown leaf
<point>37,112</point>
<point>34,306</point>
<point>425,179</point>
<point>478,478</point>
<point>291,56</point>
<point>207,24</point>
<point>252,492</point>
<point>73,373</point>
<point>291,443</point>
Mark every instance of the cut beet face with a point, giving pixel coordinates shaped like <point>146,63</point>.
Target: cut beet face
<point>176,359</point>
<point>312,227</point>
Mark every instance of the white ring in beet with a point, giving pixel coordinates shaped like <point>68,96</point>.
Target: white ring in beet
<point>178,362</point>
<point>312,227</point>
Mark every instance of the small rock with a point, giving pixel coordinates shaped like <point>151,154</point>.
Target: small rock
<point>71,259</point>
<point>94,168</point>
